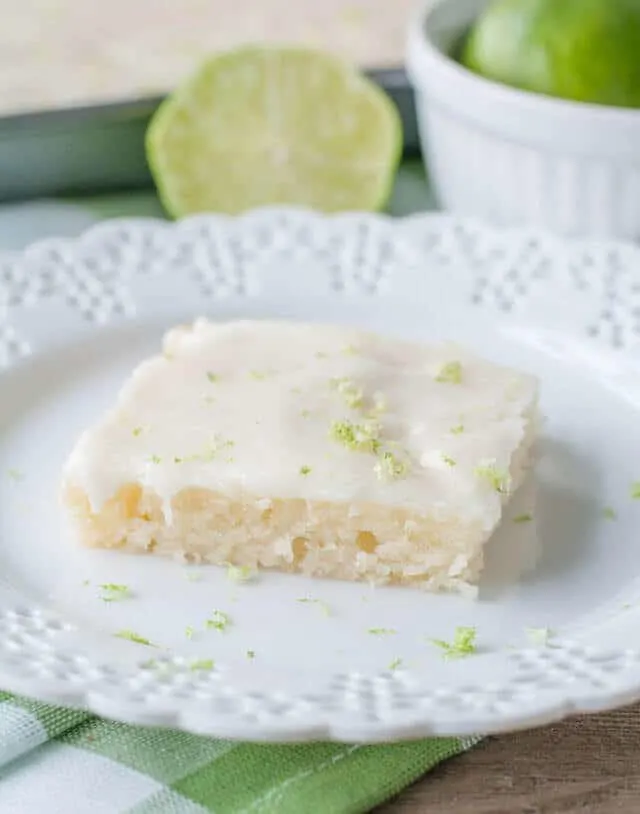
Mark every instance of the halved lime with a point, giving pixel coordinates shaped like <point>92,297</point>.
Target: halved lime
<point>259,126</point>
<point>583,50</point>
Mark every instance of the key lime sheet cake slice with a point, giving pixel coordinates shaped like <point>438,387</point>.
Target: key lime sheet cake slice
<point>309,448</point>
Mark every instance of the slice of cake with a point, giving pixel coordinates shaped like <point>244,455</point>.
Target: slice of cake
<point>308,448</point>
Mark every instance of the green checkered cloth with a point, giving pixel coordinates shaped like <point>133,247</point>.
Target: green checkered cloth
<point>57,760</point>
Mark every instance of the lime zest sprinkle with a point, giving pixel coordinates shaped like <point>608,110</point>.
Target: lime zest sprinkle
<point>395,663</point>
<point>86,582</point>
<point>539,636</point>
<point>212,377</point>
<point>218,621</point>
<point>239,573</point>
<point>497,478</point>
<point>320,354</point>
<point>450,373</point>
<point>259,375</point>
<point>635,490</point>
<point>132,636</point>
<point>382,631</point>
<point>113,592</point>
<point>150,664</point>
<point>463,644</point>
<point>457,430</point>
<point>308,600</point>
<point>15,475</point>
<point>390,467</point>
<point>350,392</point>
<point>137,431</point>
<point>155,459</point>
<point>350,350</point>
<point>359,437</point>
<point>189,631</point>
<point>251,654</point>
<point>202,664</point>
<point>448,460</point>
<point>305,470</point>
<point>609,513</point>
<point>215,446</point>
<point>523,518</point>
<point>305,413</point>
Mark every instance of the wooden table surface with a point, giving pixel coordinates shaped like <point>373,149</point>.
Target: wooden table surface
<point>589,765</point>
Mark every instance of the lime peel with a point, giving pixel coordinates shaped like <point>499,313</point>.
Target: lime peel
<point>132,636</point>
<point>463,644</point>
<point>113,592</point>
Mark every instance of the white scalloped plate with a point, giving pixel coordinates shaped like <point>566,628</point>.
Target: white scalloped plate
<point>76,315</point>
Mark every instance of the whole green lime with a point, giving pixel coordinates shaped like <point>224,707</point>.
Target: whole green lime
<point>583,50</point>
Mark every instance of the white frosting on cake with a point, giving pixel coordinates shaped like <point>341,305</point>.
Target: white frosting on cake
<point>269,409</point>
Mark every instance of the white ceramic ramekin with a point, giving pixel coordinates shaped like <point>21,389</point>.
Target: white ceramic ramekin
<point>513,157</point>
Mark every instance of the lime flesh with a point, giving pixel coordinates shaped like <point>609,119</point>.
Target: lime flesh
<point>582,50</point>
<point>267,126</point>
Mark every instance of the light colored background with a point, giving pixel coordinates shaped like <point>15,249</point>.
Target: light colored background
<point>55,53</point>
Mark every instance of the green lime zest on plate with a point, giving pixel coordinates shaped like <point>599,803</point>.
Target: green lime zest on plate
<point>201,665</point>
<point>609,513</point>
<point>463,644</point>
<point>218,621</point>
<point>308,600</point>
<point>635,490</point>
<point>15,475</point>
<point>113,592</point>
<point>382,631</point>
<point>271,140</point>
<point>305,470</point>
<point>189,631</point>
<point>251,654</point>
<point>132,636</point>
<point>395,663</point>
<point>523,518</point>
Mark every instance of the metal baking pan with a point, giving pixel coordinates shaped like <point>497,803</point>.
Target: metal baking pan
<point>100,148</point>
